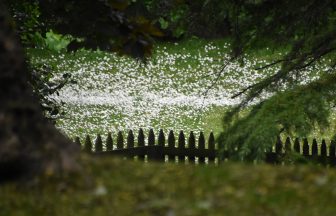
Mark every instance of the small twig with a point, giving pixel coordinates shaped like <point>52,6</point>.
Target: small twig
<point>315,58</point>
<point>276,75</point>
<point>268,81</point>
<point>332,67</point>
<point>242,91</point>
<point>271,64</point>
<point>219,74</point>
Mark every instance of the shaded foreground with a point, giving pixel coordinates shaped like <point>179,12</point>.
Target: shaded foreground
<point>120,187</point>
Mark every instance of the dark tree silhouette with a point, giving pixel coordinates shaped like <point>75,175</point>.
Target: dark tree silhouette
<point>29,144</point>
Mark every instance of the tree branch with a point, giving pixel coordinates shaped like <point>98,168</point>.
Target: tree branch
<point>219,74</point>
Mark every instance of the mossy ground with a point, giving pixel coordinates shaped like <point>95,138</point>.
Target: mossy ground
<point>112,186</point>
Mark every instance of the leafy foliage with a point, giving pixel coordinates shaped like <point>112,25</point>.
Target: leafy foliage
<point>189,18</point>
<point>42,78</point>
<point>57,42</point>
<point>44,85</point>
<point>171,16</point>
<point>102,24</point>
<point>296,110</point>
<point>296,106</point>
<point>52,41</point>
<point>27,16</point>
<point>210,18</point>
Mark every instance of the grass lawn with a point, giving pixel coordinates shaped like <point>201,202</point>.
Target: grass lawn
<point>174,90</point>
<point>117,93</point>
<point>118,187</point>
<point>170,91</point>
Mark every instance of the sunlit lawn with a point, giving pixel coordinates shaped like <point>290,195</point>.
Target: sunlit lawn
<point>180,87</point>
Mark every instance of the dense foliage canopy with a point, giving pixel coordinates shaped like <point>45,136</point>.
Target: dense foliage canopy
<point>297,104</point>
<point>99,24</point>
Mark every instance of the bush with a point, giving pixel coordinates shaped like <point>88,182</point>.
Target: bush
<point>207,19</point>
<point>44,85</point>
<point>26,14</point>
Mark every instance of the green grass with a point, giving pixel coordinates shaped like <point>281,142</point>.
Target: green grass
<point>112,186</point>
<point>118,187</point>
<point>188,68</point>
<point>184,67</point>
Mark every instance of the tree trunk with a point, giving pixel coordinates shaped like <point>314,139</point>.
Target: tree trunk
<point>29,144</point>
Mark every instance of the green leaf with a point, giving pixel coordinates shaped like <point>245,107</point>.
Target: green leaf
<point>163,23</point>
